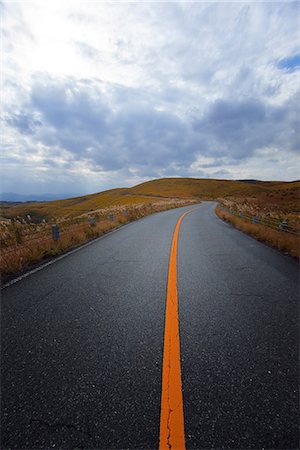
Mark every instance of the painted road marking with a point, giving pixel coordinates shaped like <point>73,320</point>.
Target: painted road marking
<point>171,416</point>
<point>64,255</point>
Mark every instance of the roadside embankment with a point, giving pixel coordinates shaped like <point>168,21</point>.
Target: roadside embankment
<point>278,238</point>
<point>24,244</point>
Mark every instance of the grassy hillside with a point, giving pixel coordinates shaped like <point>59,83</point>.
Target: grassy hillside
<point>196,188</point>
<point>270,192</point>
<point>26,241</point>
<point>74,206</point>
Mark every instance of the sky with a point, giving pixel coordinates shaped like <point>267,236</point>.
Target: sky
<point>100,95</point>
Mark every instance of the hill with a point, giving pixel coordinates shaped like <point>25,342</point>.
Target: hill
<point>200,189</point>
<point>195,188</point>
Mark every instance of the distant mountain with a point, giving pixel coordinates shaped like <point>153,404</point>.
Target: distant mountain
<point>13,197</point>
<point>249,181</point>
<point>192,188</point>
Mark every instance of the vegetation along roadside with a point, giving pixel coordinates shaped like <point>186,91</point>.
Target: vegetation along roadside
<point>269,211</point>
<point>274,234</point>
<point>23,244</point>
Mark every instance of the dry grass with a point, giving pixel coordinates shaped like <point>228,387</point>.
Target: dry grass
<point>281,240</point>
<point>155,190</point>
<point>276,204</point>
<point>32,243</point>
<point>24,243</point>
<point>195,188</point>
<point>16,258</point>
<point>73,207</point>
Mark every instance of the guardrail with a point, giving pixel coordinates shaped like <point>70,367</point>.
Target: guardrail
<point>22,234</point>
<point>55,231</point>
<point>275,224</point>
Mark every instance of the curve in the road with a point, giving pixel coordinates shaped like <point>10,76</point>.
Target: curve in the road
<point>82,341</point>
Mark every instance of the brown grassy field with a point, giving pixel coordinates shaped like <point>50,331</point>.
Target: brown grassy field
<point>196,188</point>
<point>276,204</point>
<point>25,244</point>
<point>281,240</point>
<point>73,207</point>
<point>24,241</point>
<point>266,192</point>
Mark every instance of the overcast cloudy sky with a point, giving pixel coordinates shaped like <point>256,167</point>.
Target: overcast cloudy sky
<point>99,95</point>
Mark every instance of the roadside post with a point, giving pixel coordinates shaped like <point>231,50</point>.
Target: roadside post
<point>92,221</point>
<point>283,225</point>
<point>55,232</point>
<point>111,216</point>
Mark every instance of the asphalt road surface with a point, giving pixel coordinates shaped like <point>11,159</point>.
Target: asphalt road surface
<point>82,341</point>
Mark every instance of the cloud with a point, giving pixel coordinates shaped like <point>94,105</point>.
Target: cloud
<point>150,90</point>
<point>77,117</point>
<point>240,128</point>
<point>86,50</point>
<point>25,123</point>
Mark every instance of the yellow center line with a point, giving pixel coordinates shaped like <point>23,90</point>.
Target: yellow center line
<point>171,416</point>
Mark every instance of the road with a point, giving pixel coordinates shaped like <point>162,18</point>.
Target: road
<point>83,340</point>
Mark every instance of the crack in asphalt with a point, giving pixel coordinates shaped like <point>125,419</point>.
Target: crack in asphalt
<point>58,425</point>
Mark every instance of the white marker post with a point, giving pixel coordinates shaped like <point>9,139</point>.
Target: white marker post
<point>55,232</point>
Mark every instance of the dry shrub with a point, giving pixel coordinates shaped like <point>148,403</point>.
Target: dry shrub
<point>281,240</point>
<point>38,244</point>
